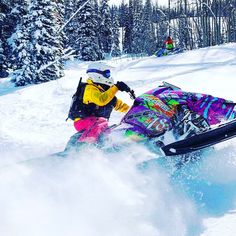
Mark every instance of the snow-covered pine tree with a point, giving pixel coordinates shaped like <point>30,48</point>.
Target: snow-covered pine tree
<point>129,25</point>
<point>44,47</point>
<point>123,9</point>
<point>4,32</point>
<point>73,25</point>
<point>86,44</point>
<point>21,54</point>
<point>205,23</point>
<point>15,17</point>
<point>96,7</point>
<point>105,29</point>
<point>2,55</point>
<point>60,21</point>
<point>231,20</point>
<point>19,42</point>
<point>148,29</point>
<point>2,62</point>
<point>183,35</point>
<point>161,25</point>
<point>138,34</point>
<point>98,19</point>
<point>115,50</point>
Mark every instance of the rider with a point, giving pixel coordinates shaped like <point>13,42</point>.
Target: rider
<point>98,102</point>
<point>169,44</point>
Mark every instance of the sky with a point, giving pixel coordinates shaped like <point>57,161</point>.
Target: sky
<point>104,193</point>
<point>161,2</point>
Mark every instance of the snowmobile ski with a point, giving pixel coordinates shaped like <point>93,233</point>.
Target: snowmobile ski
<point>208,138</point>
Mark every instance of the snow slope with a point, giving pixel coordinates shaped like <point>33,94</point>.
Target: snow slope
<point>93,193</point>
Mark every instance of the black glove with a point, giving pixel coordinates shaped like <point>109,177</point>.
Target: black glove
<point>122,86</point>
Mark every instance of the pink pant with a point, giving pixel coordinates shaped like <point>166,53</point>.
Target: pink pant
<point>92,128</point>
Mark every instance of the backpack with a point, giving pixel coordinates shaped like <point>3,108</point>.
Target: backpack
<point>77,102</point>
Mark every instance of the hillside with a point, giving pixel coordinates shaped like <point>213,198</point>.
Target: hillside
<point>92,193</point>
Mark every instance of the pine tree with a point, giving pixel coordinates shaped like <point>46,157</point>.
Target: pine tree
<point>73,25</point>
<point>44,44</point>
<point>148,29</point>
<point>138,34</point>
<point>62,39</point>
<point>86,45</point>
<point>20,45</point>
<point>115,50</point>
<point>18,11</point>
<point>5,10</point>
<point>3,66</point>
<point>11,13</point>
<point>21,51</point>
<point>105,31</point>
<point>231,20</point>
<point>123,9</point>
<point>2,55</point>
<point>129,25</point>
<point>98,19</point>
<point>161,26</point>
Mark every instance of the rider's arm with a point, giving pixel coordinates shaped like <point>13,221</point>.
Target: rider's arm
<point>93,94</point>
<point>121,106</point>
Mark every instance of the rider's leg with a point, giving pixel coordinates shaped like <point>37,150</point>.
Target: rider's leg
<point>92,128</point>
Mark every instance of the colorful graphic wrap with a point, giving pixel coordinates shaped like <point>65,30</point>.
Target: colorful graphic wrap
<point>153,111</point>
<point>215,110</point>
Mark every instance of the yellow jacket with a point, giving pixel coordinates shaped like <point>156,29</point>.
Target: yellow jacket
<point>94,93</point>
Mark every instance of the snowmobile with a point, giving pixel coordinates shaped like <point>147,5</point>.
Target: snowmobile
<point>174,122</point>
<point>165,52</point>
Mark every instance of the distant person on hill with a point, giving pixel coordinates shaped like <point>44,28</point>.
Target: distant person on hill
<point>169,44</point>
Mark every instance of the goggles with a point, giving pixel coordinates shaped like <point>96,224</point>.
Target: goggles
<point>105,73</point>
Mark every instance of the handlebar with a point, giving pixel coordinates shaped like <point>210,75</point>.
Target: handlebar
<point>132,94</point>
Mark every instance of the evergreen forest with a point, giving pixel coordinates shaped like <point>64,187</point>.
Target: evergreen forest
<point>38,36</point>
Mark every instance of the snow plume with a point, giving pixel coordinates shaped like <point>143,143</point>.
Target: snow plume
<point>91,193</point>
<point>95,192</point>
<point>224,162</point>
<point>208,179</point>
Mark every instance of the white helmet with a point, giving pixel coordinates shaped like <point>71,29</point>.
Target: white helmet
<point>99,72</point>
